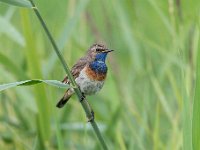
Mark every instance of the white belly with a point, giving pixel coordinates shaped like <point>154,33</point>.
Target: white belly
<point>88,86</point>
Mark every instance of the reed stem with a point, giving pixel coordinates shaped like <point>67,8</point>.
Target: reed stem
<point>84,104</point>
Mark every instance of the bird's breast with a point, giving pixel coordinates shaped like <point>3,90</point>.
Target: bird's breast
<point>89,81</point>
<point>95,75</point>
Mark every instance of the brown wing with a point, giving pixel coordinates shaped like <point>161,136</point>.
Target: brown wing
<point>77,68</point>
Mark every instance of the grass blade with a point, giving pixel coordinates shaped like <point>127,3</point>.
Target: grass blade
<point>162,98</point>
<point>11,67</point>
<point>33,82</point>
<point>34,68</point>
<point>8,29</point>
<point>20,3</point>
<point>162,16</point>
<point>129,38</point>
<point>196,108</point>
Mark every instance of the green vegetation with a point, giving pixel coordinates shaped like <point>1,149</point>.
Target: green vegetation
<point>147,99</point>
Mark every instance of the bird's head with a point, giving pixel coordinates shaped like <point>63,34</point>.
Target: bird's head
<point>98,52</point>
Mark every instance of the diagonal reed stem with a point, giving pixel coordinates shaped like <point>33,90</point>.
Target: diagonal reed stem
<point>84,103</point>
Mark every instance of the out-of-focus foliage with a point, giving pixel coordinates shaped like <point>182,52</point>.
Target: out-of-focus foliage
<point>147,97</point>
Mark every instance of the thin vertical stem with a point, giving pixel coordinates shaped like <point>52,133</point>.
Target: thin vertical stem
<point>84,104</point>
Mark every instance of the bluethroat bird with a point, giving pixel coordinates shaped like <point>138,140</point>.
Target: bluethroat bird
<point>89,73</point>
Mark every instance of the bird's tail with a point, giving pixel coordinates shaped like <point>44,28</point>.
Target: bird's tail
<point>65,98</point>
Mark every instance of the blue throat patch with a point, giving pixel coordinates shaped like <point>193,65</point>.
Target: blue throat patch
<point>101,57</point>
<point>98,65</point>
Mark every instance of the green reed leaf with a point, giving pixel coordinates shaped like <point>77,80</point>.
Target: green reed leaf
<point>20,3</point>
<point>33,82</point>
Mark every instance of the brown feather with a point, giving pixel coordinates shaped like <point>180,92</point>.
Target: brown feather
<point>65,98</point>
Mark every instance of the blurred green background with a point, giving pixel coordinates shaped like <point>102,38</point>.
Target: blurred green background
<point>146,101</point>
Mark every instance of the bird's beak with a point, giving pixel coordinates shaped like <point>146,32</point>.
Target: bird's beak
<point>107,50</point>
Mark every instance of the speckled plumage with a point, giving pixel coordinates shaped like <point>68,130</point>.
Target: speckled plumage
<point>89,72</point>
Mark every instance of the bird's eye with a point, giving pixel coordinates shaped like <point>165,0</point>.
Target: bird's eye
<point>98,50</point>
